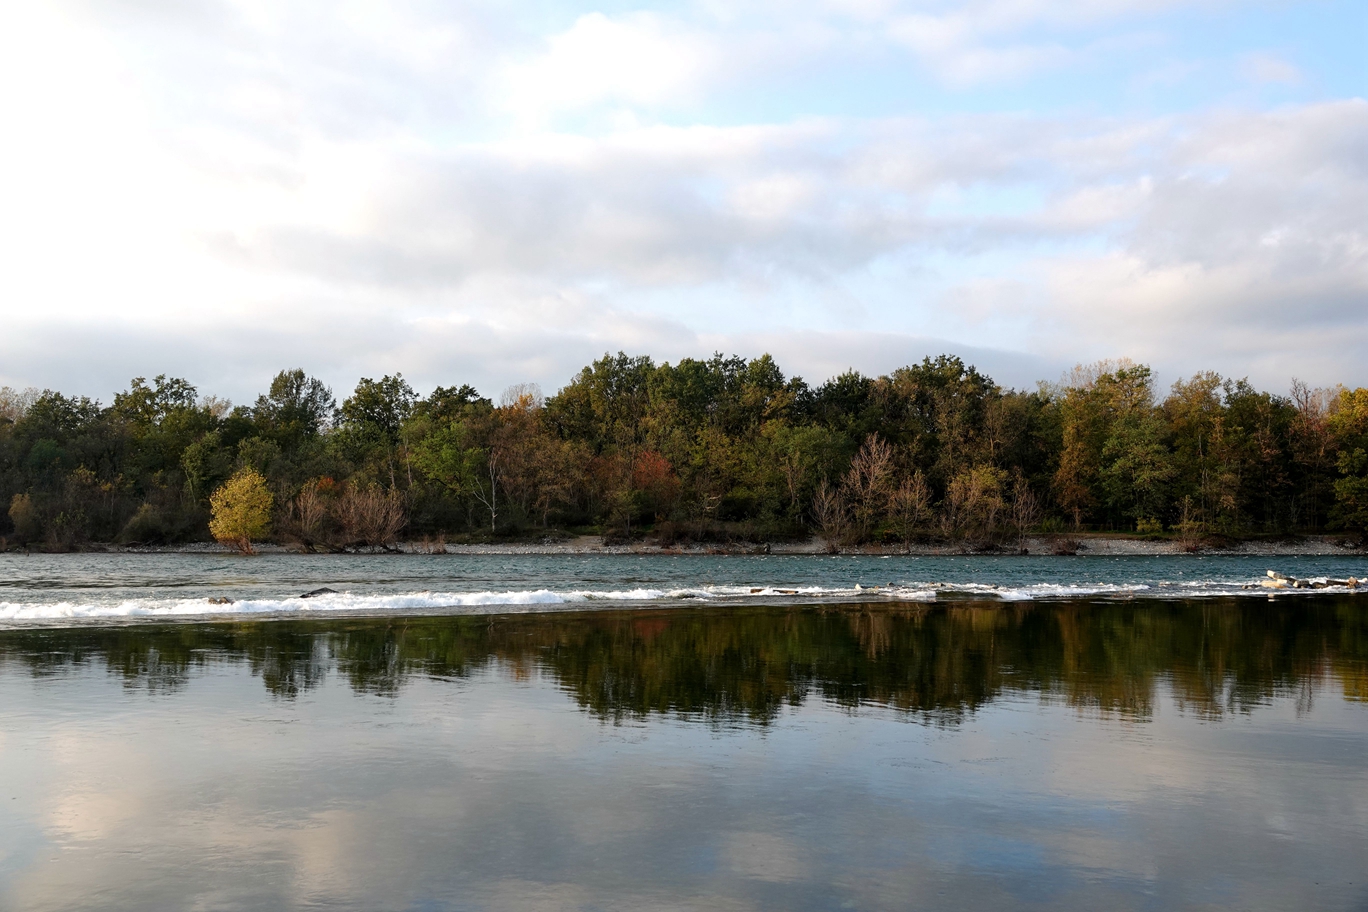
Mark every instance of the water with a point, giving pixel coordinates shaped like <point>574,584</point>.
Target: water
<point>64,588</point>
<point>1122,751</point>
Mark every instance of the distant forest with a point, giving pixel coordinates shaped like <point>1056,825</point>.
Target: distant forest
<point>701,450</point>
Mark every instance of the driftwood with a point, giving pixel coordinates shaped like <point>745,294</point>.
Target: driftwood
<point>1278,580</point>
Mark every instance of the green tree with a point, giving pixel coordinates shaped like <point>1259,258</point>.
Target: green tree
<point>241,510</point>
<point>296,409</point>
<point>380,406</point>
<point>1350,427</point>
<point>451,457</point>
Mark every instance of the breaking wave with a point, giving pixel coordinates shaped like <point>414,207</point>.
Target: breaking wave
<point>534,600</point>
<point>462,602</point>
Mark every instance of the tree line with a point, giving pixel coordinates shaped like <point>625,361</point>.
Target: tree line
<point>722,448</point>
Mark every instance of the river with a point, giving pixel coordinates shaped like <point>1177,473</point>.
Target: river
<point>987,733</point>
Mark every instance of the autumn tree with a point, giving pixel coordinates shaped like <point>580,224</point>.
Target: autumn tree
<point>241,510</point>
<point>1350,427</point>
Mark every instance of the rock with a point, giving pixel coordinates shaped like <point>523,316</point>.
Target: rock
<point>220,600</point>
<point>317,592</point>
<point>1281,581</point>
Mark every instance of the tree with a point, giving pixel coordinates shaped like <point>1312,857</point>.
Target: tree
<point>451,458</point>
<point>371,515</point>
<point>604,403</point>
<point>149,405</point>
<point>1313,456</point>
<point>973,502</point>
<point>241,510</point>
<point>14,404</point>
<point>380,405</point>
<point>1350,426</point>
<point>866,485</point>
<point>1025,508</point>
<point>296,409</point>
<point>28,524</point>
<point>830,513</point>
<point>909,504</point>
<point>801,454</point>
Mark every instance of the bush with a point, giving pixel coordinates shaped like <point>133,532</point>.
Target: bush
<point>371,515</point>
<point>147,525</point>
<point>241,510</point>
<point>28,523</point>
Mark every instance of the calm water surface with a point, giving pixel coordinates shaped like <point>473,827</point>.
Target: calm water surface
<point>1091,753</point>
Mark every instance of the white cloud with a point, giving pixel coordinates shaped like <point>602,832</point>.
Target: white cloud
<point>640,59</point>
<point>271,184</point>
<point>955,50</point>
<point>1269,68</point>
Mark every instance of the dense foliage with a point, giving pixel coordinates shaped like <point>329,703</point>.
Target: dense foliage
<point>722,448</point>
<point>240,511</point>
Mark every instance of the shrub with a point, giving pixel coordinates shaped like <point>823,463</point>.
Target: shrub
<point>371,515</point>
<point>241,510</point>
<point>146,525</point>
<point>28,524</point>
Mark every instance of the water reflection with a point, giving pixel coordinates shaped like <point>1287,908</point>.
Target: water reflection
<point>746,664</point>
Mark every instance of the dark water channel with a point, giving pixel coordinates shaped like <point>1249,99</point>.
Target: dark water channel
<point>1083,754</point>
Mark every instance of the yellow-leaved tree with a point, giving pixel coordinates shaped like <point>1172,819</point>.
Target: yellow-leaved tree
<point>241,510</point>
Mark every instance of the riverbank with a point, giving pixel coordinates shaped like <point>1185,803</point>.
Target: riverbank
<point>1080,544</point>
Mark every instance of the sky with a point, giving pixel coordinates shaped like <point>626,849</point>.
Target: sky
<point>491,193</point>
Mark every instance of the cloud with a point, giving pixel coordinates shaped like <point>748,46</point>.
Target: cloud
<point>1268,68</point>
<point>237,188</point>
<point>1179,239</point>
<point>953,49</point>
<point>639,59</point>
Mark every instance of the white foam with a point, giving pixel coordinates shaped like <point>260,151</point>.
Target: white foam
<point>332,602</point>
<point>376,603</point>
<point>550,600</point>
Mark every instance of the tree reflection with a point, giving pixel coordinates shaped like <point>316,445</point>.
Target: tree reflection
<point>937,663</point>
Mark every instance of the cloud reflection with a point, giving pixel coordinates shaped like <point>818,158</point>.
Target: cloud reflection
<point>557,762</point>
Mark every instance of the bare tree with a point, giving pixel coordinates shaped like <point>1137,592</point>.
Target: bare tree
<point>14,404</point>
<point>523,396</point>
<point>1190,528</point>
<point>1313,446</point>
<point>1025,508</point>
<point>910,505</point>
<point>866,485</point>
<point>485,488</point>
<point>308,512</point>
<point>829,510</point>
<point>371,515</point>
<point>973,503</point>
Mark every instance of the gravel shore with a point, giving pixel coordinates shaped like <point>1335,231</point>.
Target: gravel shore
<point>1083,545</point>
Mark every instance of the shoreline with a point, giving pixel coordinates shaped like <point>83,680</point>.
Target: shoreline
<point>1078,544</point>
